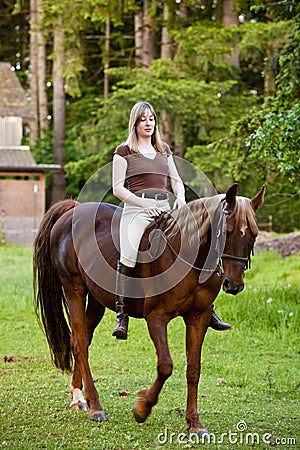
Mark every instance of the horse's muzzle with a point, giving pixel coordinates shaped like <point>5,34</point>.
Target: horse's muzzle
<point>231,288</point>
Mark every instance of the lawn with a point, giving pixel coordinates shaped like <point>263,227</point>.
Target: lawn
<point>249,389</point>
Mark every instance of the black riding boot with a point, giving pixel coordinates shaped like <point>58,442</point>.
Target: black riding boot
<point>120,331</point>
<point>217,324</point>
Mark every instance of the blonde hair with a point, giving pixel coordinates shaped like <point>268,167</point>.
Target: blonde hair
<point>137,112</point>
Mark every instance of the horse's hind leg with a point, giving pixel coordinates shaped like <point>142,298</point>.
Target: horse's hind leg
<point>94,314</point>
<point>75,294</point>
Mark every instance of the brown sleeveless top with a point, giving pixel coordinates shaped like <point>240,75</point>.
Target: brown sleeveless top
<point>146,174</point>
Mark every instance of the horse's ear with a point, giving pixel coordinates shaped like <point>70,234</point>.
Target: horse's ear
<point>258,200</point>
<point>231,194</point>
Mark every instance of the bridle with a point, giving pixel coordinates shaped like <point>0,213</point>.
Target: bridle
<point>246,261</point>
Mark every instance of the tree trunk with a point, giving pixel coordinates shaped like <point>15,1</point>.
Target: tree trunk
<point>148,33</point>
<point>59,114</point>
<point>166,53</point>
<point>106,58</point>
<point>166,128</point>
<point>230,17</point>
<point>34,125</point>
<point>183,12</point>
<point>166,38</point>
<point>138,37</point>
<point>179,139</point>
<point>38,90</point>
<point>41,76</point>
<point>269,75</point>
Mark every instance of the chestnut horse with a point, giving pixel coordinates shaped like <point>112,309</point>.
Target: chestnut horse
<point>75,258</point>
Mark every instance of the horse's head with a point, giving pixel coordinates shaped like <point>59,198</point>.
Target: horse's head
<point>241,231</point>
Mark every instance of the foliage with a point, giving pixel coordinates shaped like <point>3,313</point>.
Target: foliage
<point>275,143</point>
<point>287,9</point>
<point>262,40</point>
<point>262,146</point>
<point>172,90</point>
<point>164,85</point>
<point>288,82</point>
<point>248,374</point>
<point>202,50</point>
<point>219,114</point>
<point>79,18</point>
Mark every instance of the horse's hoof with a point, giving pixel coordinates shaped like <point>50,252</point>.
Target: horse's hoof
<point>78,402</point>
<point>203,434</point>
<point>83,406</point>
<point>98,416</point>
<point>79,406</point>
<point>137,416</point>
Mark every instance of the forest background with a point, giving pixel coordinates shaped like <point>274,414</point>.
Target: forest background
<point>223,75</point>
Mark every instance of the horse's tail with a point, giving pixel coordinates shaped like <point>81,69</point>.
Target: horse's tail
<point>49,301</point>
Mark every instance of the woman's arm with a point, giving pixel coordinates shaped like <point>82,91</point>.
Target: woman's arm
<point>176,184</point>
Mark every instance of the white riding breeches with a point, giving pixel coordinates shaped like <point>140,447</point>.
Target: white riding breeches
<point>133,223</point>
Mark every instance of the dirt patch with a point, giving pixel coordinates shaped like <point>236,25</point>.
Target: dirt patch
<point>286,245</point>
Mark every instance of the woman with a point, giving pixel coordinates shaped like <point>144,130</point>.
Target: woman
<point>145,162</point>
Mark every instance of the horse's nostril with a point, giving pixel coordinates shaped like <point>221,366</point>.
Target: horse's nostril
<point>226,284</point>
<point>230,288</point>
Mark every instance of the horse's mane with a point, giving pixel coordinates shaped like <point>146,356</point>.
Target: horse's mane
<point>194,220</point>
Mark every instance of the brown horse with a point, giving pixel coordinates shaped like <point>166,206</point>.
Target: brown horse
<point>202,246</point>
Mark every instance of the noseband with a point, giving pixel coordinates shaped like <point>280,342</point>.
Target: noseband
<point>246,261</point>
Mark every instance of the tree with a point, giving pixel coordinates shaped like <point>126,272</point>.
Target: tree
<point>59,112</point>
<point>38,93</point>
<point>14,36</point>
<point>138,34</point>
<point>106,58</point>
<point>276,142</point>
<point>261,46</point>
<point>167,41</point>
<point>149,19</point>
<point>34,93</point>
<point>218,113</point>
<point>230,17</point>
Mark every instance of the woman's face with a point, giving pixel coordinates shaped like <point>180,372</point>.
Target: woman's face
<point>146,124</point>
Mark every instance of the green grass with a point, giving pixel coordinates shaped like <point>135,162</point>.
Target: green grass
<point>250,375</point>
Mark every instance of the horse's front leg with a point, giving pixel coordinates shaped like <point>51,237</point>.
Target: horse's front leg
<point>196,326</point>
<point>147,398</point>
<point>80,341</point>
<point>94,314</point>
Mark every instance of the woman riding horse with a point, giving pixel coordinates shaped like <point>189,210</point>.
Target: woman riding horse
<point>146,163</point>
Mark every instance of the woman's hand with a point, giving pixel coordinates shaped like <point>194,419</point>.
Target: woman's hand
<point>153,211</point>
<point>179,202</point>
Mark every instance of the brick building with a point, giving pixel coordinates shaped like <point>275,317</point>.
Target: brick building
<point>22,181</point>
